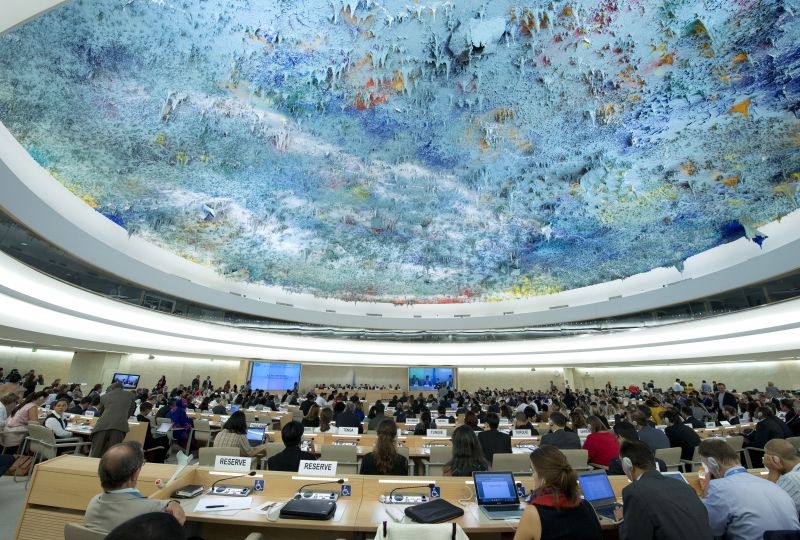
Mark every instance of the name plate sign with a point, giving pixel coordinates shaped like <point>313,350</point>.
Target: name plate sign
<point>521,433</point>
<point>437,433</point>
<point>344,430</point>
<point>318,468</point>
<point>233,464</point>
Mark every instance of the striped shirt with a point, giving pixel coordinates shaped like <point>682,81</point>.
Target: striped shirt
<point>790,483</point>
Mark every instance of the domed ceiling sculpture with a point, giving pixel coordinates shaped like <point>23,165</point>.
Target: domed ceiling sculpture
<point>416,152</point>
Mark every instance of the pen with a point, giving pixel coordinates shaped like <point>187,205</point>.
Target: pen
<point>215,506</point>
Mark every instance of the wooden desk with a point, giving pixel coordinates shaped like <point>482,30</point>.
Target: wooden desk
<point>61,488</point>
<point>278,487</point>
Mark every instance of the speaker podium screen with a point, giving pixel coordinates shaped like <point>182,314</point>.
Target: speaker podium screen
<point>128,381</point>
<point>274,376</point>
<point>420,378</point>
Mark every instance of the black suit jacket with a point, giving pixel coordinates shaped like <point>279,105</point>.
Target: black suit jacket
<point>494,442</point>
<point>663,508</point>
<point>289,459</point>
<point>683,436</point>
<point>566,440</point>
<point>348,419</point>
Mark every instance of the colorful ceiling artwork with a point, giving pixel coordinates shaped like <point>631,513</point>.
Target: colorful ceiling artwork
<point>417,152</point>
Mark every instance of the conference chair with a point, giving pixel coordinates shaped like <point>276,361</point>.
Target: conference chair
<point>202,432</point>
<point>519,464</point>
<point>750,452</point>
<point>42,443</point>
<point>272,449</point>
<point>690,464</point>
<point>403,451</point>
<point>345,456</point>
<point>795,441</point>
<point>578,459</point>
<point>671,456</point>
<point>137,432</point>
<point>207,455</point>
<point>781,535</point>
<point>76,531</point>
<point>12,438</point>
<point>438,457</point>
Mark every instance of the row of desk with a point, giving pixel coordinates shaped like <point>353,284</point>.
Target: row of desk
<point>61,488</point>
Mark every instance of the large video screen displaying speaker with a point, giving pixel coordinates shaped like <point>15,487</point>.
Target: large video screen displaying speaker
<point>428,378</point>
<point>274,376</point>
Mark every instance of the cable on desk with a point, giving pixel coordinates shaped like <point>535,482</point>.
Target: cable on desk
<point>466,500</point>
<point>270,512</point>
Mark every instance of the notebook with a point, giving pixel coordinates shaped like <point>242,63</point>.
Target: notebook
<point>163,428</point>
<point>496,493</point>
<point>677,475</point>
<point>597,490</point>
<point>255,435</point>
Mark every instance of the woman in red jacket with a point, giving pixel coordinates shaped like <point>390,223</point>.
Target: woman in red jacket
<point>601,444</point>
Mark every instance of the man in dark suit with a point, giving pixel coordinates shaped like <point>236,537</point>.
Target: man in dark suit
<point>723,397</point>
<point>116,406</point>
<point>494,441</point>
<point>625,431</point>
<point>290,457</point>
<point>348,418</point>
<point>558,437</point>
<point>681,435</point>
<point>656,506</point>
<point>688,418</point>
<point>652,437</point>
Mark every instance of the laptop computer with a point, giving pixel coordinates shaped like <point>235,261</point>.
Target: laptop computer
<point>598,491</point>
<point>496,493</point>
<point>677,475</point>
<point>163,428</point>
<point>255,435</point>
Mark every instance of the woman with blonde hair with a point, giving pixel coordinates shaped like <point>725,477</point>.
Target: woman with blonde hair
<point>312,417</point>
<point>325,419</point>
<point>555,508</point>
<point>384,458</point>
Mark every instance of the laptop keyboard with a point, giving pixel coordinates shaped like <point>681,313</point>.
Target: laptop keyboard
<point>502,508</point>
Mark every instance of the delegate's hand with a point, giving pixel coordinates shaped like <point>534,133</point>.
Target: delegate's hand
<point>175,509</point>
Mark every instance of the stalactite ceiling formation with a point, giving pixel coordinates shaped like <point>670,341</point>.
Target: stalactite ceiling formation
<point>411,152</point>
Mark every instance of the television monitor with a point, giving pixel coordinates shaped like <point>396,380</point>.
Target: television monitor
<point>127,380</point>
<point>428,378</point>
<point>274,376</point>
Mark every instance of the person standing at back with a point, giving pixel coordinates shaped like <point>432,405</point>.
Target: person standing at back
<point>555,509</point>
<point>116,406</point>
<point>656,506</point>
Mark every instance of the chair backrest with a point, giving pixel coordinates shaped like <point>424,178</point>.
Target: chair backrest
<point>737,442</point>
<point>345,456</point>
<point>519,464</point>
<point>42,441</point>
<point>438,457</point>
<point>781,535</point>
<point>202,431</point>
<point>75,531</point>
<point>671,456</point>
<point>13,436</point>
<point>795,441</point>
<point>137,432</point>
<point>207,455</point>
<point>577,458</point>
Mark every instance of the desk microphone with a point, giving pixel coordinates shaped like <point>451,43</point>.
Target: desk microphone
<point>339,481</point>
<point>391,493</point>
<point>251,473</point>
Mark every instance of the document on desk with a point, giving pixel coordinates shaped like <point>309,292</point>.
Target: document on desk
<point>223,504</point>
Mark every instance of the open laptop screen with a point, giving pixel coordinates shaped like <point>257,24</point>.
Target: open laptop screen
<point>495,488</point>
<point>255,435</point>
<point>596,487</point>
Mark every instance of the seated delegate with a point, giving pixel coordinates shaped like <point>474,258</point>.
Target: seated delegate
<point>467,454</point>
<point>234,435</point>
<point>555,508</point>
<point>384,458</point>
<point>290,457</point>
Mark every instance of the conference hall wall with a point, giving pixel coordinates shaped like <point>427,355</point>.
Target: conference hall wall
<point>58,364</point>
